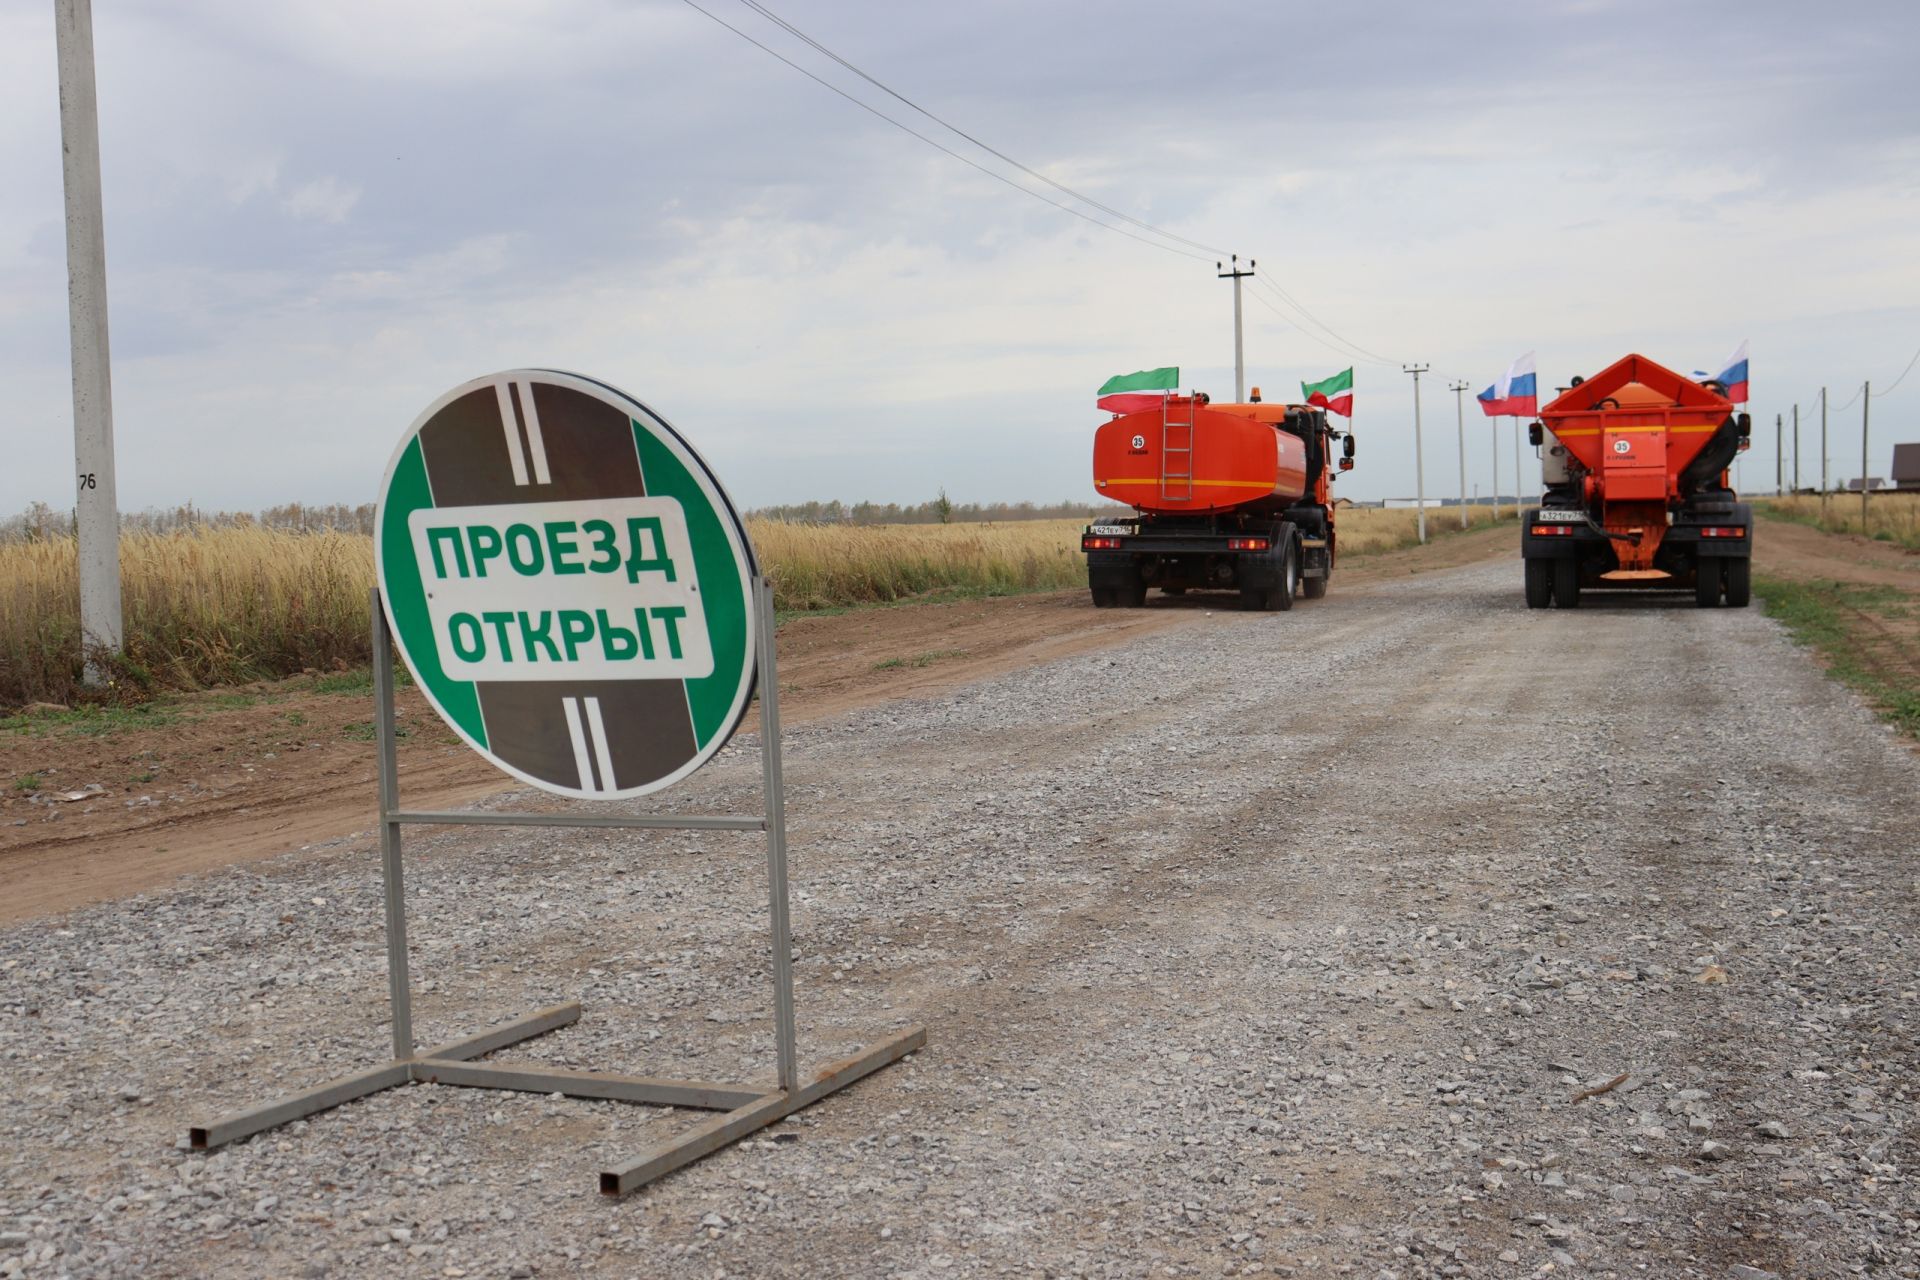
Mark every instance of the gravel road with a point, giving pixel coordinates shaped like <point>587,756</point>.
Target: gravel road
<point>1268,944</point>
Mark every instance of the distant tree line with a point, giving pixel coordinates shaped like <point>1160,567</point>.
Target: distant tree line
<point>940,510</point>
<point>40,521</point>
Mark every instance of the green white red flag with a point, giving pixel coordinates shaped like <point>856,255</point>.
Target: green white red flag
<point>1132,392</point>
<point>1335,394</point>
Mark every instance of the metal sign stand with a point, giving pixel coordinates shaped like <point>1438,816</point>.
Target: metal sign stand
<point>743,1108</point>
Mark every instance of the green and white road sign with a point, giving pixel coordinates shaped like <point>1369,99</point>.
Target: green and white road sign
<point>568,583</point>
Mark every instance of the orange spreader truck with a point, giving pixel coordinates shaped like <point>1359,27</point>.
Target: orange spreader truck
<point>1227,496</point>
<point>1634,464</point>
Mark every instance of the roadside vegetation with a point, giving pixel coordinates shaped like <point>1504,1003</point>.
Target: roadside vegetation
<point>225,601</point>
<point>1890,517</point>
<point>1869,637</point>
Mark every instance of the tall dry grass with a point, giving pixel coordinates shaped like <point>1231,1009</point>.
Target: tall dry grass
<point>1890,517</point>
<point>202,607</point>
<point>213,605</point>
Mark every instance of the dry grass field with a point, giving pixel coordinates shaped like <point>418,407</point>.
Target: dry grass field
<point>1890,517</point>
<point>213,605</point>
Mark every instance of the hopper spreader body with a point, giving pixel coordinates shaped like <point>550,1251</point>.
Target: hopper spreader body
<point>1636,489</point>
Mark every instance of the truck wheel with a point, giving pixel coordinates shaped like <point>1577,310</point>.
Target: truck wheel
<point>1539,583</point>
<point>1314,588</point>
<point>1706,583</point>
<point>1102,598</point>
<point>1739,583</point>
<point>1288,589</point>
<point>1566,583</point>
<point>1132,597</point>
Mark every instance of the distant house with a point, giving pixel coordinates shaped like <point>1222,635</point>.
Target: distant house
<point>1906,467</point>
<point>1874,485</point>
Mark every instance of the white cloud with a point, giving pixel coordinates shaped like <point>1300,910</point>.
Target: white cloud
<point>322,200</point>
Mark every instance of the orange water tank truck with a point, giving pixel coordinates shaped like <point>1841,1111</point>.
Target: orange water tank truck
<point>1634,462</point>
<point>1226,497</point>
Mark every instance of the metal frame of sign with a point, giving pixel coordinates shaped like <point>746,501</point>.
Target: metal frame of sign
<point>742,1108</point>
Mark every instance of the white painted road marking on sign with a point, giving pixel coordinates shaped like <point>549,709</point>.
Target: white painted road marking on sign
<point>602,755</point>
<point>535,444</point>
<point>512,430</point>
<point>571,706</point>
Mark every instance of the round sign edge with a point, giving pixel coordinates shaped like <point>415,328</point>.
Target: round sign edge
<point>745,557</point>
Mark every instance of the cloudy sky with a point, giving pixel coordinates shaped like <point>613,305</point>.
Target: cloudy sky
<point>321,215</point>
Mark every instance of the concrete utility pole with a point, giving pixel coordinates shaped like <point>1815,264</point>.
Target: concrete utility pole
<point>1866,398</point>
<point>1239,347</point>
<point>1419,462</point>
<point>1823,451</point>
<point>1460,420</point>
<point>1518,499</point>
<point>1796,448</point>
<point>96,510</point>
<point>1493,428</point>
<point>1779,456</point>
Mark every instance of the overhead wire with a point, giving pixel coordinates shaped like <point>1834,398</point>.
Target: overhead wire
<point>971,163</point>
<point>798,34</point>
<point>1334,340</point>
<point>1902,378</point>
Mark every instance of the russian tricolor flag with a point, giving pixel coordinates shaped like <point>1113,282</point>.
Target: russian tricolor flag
<point>1515,394</point>
<point>1734,375</point>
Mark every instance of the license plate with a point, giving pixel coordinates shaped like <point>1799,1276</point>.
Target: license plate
<point>1563,517</point>
<point>1111,530</point>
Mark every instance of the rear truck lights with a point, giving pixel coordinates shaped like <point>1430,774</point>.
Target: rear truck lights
<point>1722,531</point>
<point>1553,530</point>
<point>1093,543</point>
<point>1248,544</point>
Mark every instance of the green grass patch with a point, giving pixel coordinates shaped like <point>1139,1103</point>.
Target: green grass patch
<point>1822,615</point>
<point>921,660</point>
<point>93,721</point>
<point>27,783</point>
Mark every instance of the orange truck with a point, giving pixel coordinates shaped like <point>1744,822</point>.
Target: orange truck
<point>1634,466</point>
<point>1226,496</point>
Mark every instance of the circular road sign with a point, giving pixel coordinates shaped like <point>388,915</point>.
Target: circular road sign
<point>568,583</point>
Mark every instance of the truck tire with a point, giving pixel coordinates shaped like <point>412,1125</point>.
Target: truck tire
<point>1539,583</point>
<point>1739,583</point>
<point>1289,577</point>
<point>1314,588</point>
<point>1706,583</point>
<point>1566,583</point>
<point>1134,597</point>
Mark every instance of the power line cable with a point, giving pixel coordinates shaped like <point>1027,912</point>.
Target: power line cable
<point>1339,345</point>
<point>998,177</point>
<point>798,34</point>
<point>1333,342</point>
<point>1887,391</point>
<point>1300,307</point>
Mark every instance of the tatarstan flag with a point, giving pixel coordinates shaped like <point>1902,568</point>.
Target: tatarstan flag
<point>1159,382</point>
<point>1334,395</point>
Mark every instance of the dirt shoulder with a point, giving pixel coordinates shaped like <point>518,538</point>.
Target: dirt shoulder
<point>212,779</point>
<point>1856,603</point>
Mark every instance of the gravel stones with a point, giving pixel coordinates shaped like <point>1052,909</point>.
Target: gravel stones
<point>1226,941</point>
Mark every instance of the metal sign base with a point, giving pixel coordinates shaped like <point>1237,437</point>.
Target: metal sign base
<point>743,1108</point>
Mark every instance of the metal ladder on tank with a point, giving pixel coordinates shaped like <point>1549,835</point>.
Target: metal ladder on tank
<point>1176,452</point>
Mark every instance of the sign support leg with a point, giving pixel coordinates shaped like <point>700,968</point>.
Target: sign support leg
<point>393,873</point>
<point>775,795</point>
<point>743,1109</point>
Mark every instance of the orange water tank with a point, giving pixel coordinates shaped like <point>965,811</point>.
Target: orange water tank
<point>1197,457</point>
